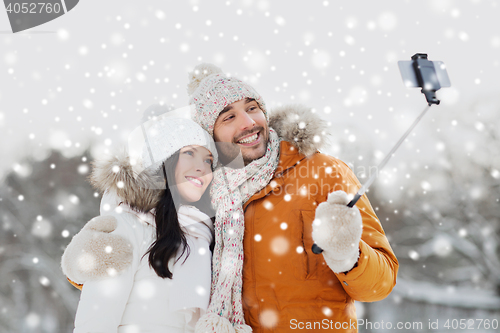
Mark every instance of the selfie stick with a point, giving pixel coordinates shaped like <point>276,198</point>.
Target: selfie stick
<point>423,75</point>
<point>386,159</point>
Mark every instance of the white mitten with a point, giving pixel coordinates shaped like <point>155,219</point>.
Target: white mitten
<point>94,252</point>
<point>337,230</point>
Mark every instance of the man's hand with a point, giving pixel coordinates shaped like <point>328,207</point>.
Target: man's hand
<point>337,230</point>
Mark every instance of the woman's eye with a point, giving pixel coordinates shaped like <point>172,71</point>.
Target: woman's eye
<point>189,152</point>
<point>209,161</point>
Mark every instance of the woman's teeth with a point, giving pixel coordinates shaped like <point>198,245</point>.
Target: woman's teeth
<point>249,139</point>
<point>194,180</point>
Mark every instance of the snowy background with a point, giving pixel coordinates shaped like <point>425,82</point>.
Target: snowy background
<point>74,88</point>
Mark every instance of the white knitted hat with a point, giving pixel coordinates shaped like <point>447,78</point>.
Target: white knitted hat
<point>210,91</point>
<point>160,137</point>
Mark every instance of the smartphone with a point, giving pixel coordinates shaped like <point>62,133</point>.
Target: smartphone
<point>410,77</point>
<point>428,75</point>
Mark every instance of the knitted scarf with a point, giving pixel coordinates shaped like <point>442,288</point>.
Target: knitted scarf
<point>231,188</point>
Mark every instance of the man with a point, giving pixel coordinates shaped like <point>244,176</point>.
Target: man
<point>292,196</point>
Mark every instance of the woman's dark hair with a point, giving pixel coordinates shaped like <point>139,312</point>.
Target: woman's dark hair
<point>169,235</point>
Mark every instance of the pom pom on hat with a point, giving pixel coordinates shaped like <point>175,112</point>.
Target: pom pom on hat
<point>199,73</point>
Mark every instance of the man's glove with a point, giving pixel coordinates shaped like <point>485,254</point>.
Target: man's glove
<point>337,230</point>
<point>95,252</point>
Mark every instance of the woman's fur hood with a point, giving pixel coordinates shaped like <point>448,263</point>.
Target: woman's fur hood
<point>294,123</point>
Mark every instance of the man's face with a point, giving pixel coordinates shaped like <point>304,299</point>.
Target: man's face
<point>244,124</point>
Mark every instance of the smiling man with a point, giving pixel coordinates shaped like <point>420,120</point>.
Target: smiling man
<point>265,276</point>
<point>251,135</point>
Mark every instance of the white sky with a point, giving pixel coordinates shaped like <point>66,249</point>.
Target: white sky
<point>87,76</point>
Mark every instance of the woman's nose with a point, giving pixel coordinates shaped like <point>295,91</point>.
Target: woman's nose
<point>201,166</point>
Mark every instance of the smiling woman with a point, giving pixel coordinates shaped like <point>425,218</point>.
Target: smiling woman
<point>193,172</point>
<point>157,277</point>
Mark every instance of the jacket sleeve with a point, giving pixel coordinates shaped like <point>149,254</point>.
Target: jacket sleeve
<point>374,275</point>
<point>103,300</point>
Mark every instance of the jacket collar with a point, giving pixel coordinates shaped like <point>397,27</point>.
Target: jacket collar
<point>289,158</point>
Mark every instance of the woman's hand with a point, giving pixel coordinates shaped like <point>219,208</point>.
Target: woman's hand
<point>95,252</point>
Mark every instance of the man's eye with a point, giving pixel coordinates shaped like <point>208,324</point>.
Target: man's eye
<point>252,108</point>
<point>229,118</point>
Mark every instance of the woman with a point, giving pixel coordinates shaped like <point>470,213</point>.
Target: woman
<point>159,281</point>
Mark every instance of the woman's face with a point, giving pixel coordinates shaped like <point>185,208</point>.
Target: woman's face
<point>193,172</point>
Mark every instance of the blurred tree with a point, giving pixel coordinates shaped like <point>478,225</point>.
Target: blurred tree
<point>42,204</point>
<point>443,216</point>
<point>455,211</point>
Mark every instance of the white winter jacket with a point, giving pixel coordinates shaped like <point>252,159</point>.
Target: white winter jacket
<point>136,299</point>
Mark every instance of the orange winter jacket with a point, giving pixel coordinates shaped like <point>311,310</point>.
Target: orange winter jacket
<point>288,288</point>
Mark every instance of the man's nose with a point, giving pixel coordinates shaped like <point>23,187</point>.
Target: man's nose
<point>246,121</point>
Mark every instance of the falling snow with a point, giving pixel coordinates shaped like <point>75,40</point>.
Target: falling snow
<point>438,195</point>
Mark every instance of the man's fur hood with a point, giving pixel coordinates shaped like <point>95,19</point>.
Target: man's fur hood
<point>294,123</point>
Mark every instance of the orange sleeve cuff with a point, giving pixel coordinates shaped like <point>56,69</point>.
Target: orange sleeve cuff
<point>76,285</point>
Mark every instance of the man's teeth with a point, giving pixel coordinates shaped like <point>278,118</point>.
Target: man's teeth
<point>194,180</point>
<point>249,139</point>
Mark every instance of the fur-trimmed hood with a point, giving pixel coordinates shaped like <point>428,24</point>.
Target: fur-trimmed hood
<point>294,123</point>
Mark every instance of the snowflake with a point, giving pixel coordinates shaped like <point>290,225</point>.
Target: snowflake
<point>44,281</point>
<point>41,228</point>
<point>32,320</point>
<point>200,290</point>
<point>413,255</point>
